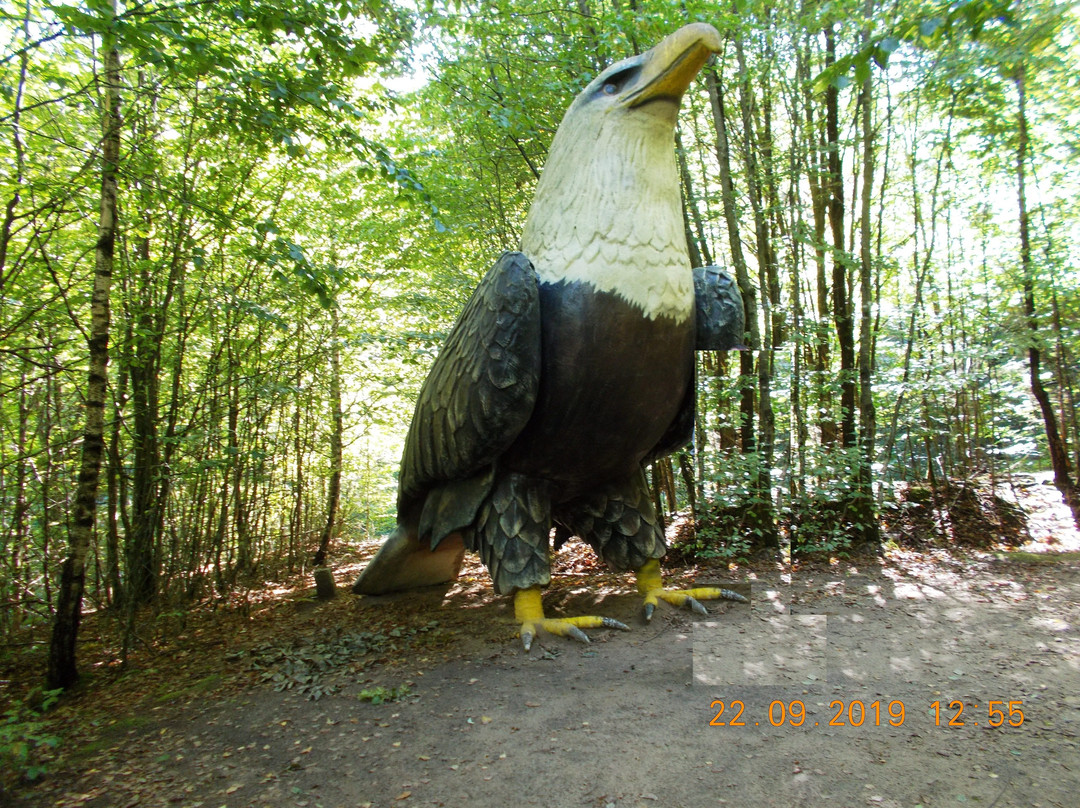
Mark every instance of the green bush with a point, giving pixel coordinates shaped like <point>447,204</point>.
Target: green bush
<point>23,738</point>
<point>380,694</point>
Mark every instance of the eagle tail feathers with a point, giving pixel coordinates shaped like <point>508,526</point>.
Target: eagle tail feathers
<point>404,562</point>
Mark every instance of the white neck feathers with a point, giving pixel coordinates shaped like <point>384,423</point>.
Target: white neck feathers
<point>607,212</point>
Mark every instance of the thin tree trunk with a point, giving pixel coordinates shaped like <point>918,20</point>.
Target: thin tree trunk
<point>766,535</point>
<point>692,221</point>
<point>144,363</point>
<point>1059,458</point>
<point>244,556</point>
<point>686,469</point>
<point>18,535</point>
<point>655,489</point>
<point>20,152</point>
<point>816,178</point>
<point>62,670</point>
<point>113,586</point>
<point>842,314</point>
<point>337,423</point>
<point>749,294</point>
<point>49,507</point>
<point>800,164</point>
<point>668,486</point>
<point>700,433</point>
<point>865,517</point>
<point>296,540</point>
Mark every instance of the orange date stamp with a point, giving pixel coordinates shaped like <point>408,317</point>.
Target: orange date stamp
<point>877,713</point>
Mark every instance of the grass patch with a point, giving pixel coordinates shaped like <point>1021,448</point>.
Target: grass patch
<point>1038,558</point>
<point>382,695</point>
<point>168,692</point>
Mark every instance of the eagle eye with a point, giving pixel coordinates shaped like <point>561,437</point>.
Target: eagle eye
<point>617,81</point>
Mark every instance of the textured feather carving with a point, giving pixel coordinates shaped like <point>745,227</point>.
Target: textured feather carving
<point>482,387</point>
<point>718,310</point>
<point>618,521</point>
<point>511,533</point>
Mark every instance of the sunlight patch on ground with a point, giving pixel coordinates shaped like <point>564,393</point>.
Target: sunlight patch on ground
<point>777,650</point>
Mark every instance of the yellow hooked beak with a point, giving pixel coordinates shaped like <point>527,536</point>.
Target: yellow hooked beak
<point>671,65</point>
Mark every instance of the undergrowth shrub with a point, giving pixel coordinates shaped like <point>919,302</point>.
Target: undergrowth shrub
<point>23,739</point>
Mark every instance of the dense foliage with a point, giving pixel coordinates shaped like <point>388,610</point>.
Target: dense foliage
<point>293,239</point>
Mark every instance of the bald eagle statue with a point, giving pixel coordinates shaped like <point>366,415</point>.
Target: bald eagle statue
<point>572,364</point>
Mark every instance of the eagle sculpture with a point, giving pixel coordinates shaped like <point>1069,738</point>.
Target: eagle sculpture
<point>572,365</point>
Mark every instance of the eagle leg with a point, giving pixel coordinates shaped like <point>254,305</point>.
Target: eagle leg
<point>529,612</point>
<point>618,521</point>
<point>651,585</point>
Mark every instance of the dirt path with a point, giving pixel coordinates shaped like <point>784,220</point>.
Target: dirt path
<point>625,721</point>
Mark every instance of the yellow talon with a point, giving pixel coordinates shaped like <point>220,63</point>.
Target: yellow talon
<point>529,612</point>
<point>650,584</point>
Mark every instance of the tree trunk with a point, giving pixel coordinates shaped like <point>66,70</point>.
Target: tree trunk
<point>760,520</point>
<point>1059,458</point>
<point>922,270</point>
<point>696,242</point>
<point>113,586</point>
<point>686,469</point>
<point>765,345</point>
<point>144,363</point>
<point>667,485</point>
<point>747,406</point>
<point>244,554</point>
<point>337,422</point>
<point>865,518</point>
<point>816,174</point>
<point>12,589</point>
<point>842,314</point>
<point>655,490</point>
<point>20,154</point>
<point>62,670</point>
<point>296,540</point>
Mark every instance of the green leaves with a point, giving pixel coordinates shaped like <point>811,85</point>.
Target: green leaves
<point>78,21</point>
<point>24,742</point>
<point>884,50</point>
<point>927,28</point>
<point>381,695</point>
<point>969,17</point>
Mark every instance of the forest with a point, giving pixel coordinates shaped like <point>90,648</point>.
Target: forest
<point>234,235</point>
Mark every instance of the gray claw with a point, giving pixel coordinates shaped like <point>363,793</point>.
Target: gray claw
<point>611,622</point>
<point>649,609</point>
<point>577,634</point>
<point>727,594</point>
<point>695,605</point>
<point>527,639</point>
